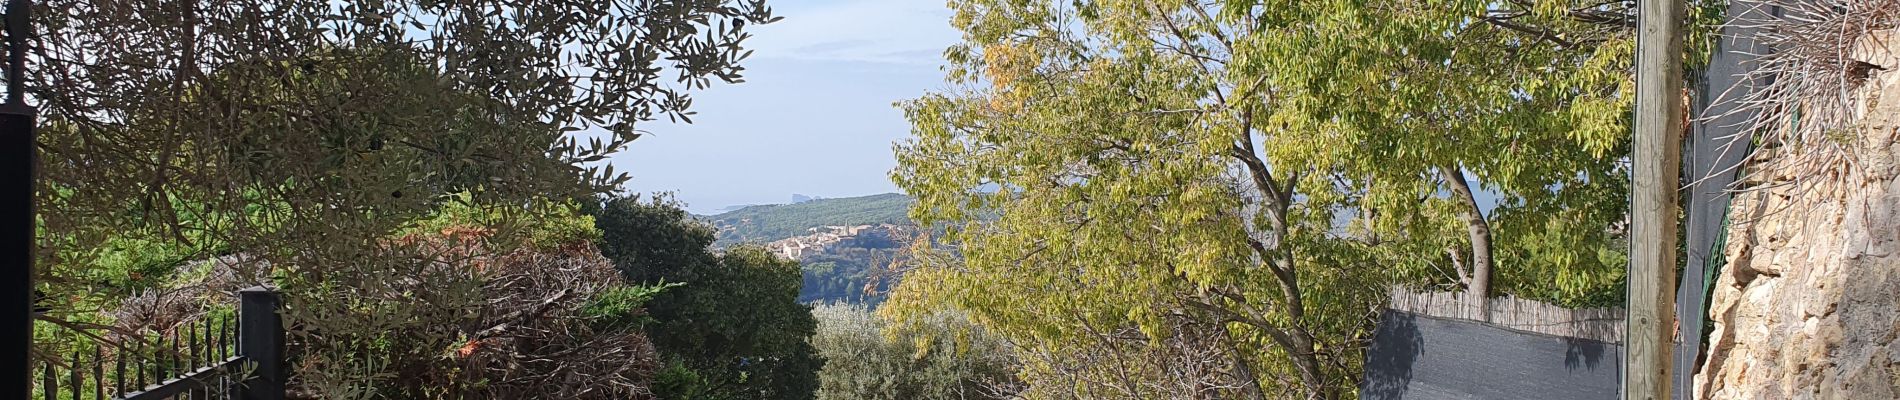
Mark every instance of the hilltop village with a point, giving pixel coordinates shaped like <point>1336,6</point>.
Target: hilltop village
<point>822,239</point>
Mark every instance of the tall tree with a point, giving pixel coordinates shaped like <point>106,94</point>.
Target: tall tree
<point>1497,132</point>
<point>303,133</point>
<point>1206,199</point>
<point>153,110</point>
<point>736,321</point>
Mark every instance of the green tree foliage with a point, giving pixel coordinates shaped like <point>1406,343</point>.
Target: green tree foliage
<point>623,307</point>
<point>304,134</point>
<point>773,222</point>
<point>943,357</point>
<point>849,275</point>
<point>309,194</point>
<point>1203,196</point>
<point>562,225</point>
<point>565,63</point>
<point>734,324</point>
<point>1530,105</point>
<point>192,120</point>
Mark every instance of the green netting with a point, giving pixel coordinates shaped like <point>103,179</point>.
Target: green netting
<point>1712,266</point>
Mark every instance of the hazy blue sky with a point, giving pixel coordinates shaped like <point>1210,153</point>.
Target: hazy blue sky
<point>815,115</point>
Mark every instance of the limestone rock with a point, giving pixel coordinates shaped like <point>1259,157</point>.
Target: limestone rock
<point>1809,304</point>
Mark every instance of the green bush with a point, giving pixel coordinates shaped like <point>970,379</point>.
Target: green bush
<point>549,224</point>
<point>736,322</point>
<point>943,357</point>
<point>623,307</point>
<point>677,382</point>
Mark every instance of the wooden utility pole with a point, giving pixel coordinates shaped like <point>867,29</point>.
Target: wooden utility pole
<point>1657,161</point>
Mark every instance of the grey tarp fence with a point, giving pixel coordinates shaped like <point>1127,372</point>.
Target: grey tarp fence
<point>1416,356</point>
<point>1712,166</point>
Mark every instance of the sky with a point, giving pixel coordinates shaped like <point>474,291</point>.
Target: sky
<point>815,115</point>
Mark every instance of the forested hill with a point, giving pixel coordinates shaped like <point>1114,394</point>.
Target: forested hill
<point>766,223</point>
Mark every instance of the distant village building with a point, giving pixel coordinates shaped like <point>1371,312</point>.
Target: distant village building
<point>823,238</point>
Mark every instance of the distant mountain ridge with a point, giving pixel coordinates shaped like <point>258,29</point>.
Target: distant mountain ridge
<point>774,222</point>
<point>732,208</point>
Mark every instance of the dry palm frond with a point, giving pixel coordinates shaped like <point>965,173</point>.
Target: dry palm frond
<point>1803,98</point>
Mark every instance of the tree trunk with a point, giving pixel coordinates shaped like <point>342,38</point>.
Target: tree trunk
<point>1293,338</point>
<point>1478,290</point>
<point>1308,364</point>
<point>1277,195</point>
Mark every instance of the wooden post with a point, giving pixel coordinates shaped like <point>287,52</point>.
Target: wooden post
<point>1657,159</point>
<point>18,172</point>
<point>261,343</point>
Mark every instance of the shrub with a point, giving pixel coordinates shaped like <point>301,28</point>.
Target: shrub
<point>623,307</point>
<point>943,357</point>
<point>736,322</point>
<point>452,320</point>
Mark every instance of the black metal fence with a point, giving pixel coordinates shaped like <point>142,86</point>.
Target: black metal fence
<point>212,358</point>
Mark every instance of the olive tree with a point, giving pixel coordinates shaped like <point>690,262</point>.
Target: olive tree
<point>303,134</point>
<point>941,357</point>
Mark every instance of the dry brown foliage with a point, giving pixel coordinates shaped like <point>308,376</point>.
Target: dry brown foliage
<point>1803,100</point>
<point>507,325</point>
<point>534,343</point>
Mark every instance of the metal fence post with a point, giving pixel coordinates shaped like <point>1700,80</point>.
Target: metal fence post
<point>261,343</point>
<point>17,174</point>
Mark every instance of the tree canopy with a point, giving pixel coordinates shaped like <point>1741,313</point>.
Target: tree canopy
<point>310,138</point>
<point>734,323</point>
<point>316,127</point>
<point>1228,189</point>
<point>945,357</point>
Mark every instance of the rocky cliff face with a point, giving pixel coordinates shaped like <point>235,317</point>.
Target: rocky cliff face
<point>1809,304</point>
